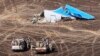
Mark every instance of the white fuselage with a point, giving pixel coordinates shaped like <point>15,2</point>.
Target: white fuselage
<point>17,48</point>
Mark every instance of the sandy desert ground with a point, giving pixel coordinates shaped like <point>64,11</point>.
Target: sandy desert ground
<point>71,38</point>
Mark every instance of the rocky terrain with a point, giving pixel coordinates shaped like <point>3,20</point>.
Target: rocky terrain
<point>71,38</point>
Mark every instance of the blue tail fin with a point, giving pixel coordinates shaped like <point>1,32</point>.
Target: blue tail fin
<point>78,13</point>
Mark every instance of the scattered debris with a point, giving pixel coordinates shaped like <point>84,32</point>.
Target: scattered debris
<point>20,44</point>
<point>67,12</point>
<point>43,46</point>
